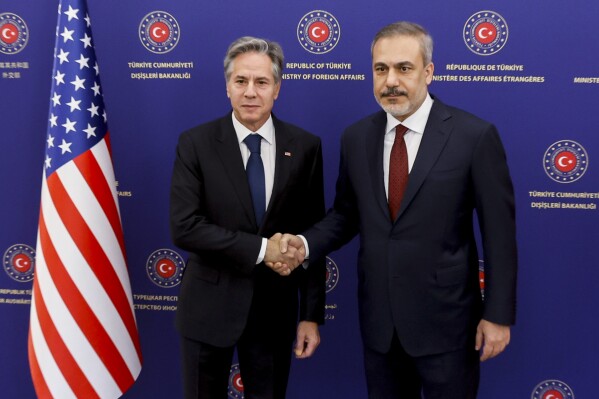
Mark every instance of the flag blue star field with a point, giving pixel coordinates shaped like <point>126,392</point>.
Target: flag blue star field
<point>83,338</point>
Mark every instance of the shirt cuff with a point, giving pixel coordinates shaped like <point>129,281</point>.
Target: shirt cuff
<point>306,261</point>
<point>262,251</point>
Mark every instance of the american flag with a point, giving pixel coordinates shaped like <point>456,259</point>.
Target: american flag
<point>83,339</point>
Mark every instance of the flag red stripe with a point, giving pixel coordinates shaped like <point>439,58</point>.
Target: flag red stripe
<point>92,173</point>
<point>62,356</point>
<point>39,382</point>
<point>84,316</point>
<point>108,143</point>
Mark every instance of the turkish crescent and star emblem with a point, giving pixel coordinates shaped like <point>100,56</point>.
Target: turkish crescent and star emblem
<point>565,161</point>
<point>332,275</point>
<point>14,33</point>
<point>19,262</point>
<point>10,33</point>
<point>552,389</point>
<point>485,33</point>
<point>165,268</point>
<point>159,32</point>
<point>235,383</point>
<point>318,32</point>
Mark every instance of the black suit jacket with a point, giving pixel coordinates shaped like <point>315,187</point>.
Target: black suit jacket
<point>419,274</point>
<point>212,217</point>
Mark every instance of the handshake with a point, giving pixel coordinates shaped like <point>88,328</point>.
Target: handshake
<point>284,252</point>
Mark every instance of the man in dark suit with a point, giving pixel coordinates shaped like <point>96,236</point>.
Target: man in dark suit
<point>422,317</point>
<point>229,298</point>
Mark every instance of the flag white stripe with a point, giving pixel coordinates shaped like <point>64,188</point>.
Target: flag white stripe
<point>97,298</point>
<point>54,379</point>
<point>78,345</point>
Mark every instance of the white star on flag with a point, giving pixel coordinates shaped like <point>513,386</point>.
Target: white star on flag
<point>56,99</point>
<point>74,104</point>
<point>82,61</point>
<point>91,131</point>
<point>63,57</point>
<point>96,89</point>
<point>87,41</point>
<point>67,34</point>
<point>69,125</point>
<point>78,83</point>
<point>59,78</point>
<point>72,13</point>
<point>93,110</point>
<point>52,120</point>
<point>65,147</point>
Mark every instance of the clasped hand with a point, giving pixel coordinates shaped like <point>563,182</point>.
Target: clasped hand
<point>284,253</point>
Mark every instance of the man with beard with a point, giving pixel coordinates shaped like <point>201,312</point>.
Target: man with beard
<point>410,179</point>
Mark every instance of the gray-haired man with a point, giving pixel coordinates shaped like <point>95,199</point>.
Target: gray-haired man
<point>227,196</point>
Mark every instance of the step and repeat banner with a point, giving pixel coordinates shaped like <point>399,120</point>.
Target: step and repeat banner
<point>530,67</point>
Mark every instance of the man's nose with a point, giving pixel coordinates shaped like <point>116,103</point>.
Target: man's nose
<point>393,79</point>
<point>250,90</point>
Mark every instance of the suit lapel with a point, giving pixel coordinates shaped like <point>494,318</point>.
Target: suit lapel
<point>436,133</point>
<point>374,142</point>
<point>227,148</point>
<point>285,155</point>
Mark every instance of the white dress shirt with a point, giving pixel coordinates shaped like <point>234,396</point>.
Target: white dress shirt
<point>415,124</point>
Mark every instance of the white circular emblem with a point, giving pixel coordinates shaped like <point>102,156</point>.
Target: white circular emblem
<point>552,389</point>
<point>14,33</point>
<point>19,262</point>
<point>318,32</point>
<point>159,32</point>
<point>332,277</point>
<point>235,383</point>
<point>165,268</point>
<point>565,161</point>
<point>485,33</point>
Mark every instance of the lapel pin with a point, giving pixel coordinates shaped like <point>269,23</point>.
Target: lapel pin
<point>287,154</point>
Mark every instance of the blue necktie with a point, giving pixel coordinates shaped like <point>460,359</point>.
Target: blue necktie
<point>255,173</point>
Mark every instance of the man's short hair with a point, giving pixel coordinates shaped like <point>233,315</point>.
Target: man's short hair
<point>404,28</point>
<point>248,44</point>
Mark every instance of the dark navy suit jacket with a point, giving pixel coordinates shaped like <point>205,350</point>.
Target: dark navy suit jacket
<point>419,274</point>
<point>212,217</point>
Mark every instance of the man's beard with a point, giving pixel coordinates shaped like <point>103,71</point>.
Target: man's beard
<point>394,109</point>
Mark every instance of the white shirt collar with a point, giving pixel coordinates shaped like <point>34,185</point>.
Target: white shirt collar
<point>267,130</point>
<point>415,122</point>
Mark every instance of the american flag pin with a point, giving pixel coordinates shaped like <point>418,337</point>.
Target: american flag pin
<point>287,154</point>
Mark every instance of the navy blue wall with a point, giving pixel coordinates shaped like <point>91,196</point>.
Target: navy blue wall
<point>540,87</point>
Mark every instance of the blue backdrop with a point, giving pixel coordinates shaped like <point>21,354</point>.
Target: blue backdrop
<point>540,86</point>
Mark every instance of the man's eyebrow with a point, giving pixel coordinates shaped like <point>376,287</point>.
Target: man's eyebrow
<point>403,63</point>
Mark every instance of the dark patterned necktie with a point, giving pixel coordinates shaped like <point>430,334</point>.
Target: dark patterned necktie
<point>398,171</point>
